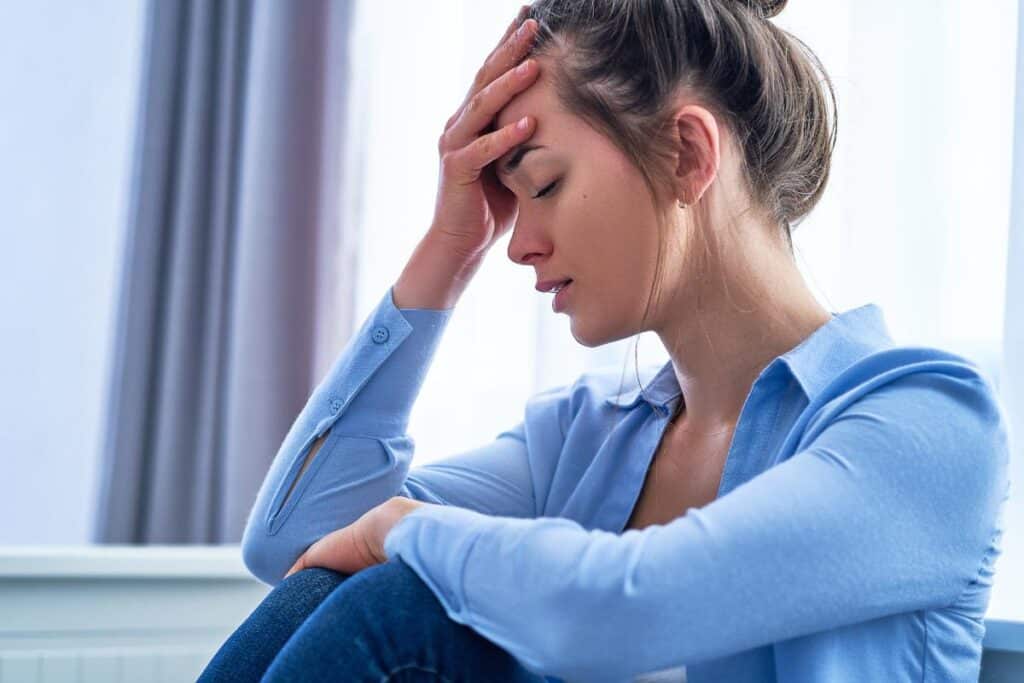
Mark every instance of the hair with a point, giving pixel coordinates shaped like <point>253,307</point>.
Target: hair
<point>620,65</point>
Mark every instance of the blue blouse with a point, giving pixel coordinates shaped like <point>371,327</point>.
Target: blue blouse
<point>853,537</point>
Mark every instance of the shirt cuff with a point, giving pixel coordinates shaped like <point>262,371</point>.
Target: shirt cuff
<point>372,386</point>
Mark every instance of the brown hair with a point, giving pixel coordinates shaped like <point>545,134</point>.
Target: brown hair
<point>620,64</point>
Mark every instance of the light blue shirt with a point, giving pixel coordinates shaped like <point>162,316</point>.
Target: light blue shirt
<point>853,537</point>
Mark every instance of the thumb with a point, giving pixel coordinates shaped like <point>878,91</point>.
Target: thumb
<point>299,565</point>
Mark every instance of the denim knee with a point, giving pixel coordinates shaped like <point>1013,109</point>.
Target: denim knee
<point>302,592</point>
<point>386,624</point>
<point>313,579</point>
<point>394,583</point>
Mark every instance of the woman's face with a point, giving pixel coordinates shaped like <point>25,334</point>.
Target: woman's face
<point>596,225</point>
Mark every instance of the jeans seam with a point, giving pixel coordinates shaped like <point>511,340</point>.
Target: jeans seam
<point>419,667</point>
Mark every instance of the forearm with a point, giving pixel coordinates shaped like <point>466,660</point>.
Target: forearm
<point>435,276</point>
<point>347,450</point>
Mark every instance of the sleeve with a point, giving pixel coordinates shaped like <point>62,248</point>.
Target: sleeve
<point>364,403</point>
<point>888,507</point>
<point>494,479</point>
<point>509,476</point>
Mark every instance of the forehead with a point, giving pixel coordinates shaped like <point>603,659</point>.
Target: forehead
<point>554,128</point>
<point>538,101</point>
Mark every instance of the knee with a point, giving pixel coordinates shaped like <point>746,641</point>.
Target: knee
<point>395,584</point>
<point>314,581</point>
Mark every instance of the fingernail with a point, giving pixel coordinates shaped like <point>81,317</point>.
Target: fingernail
<point>523,123</point>
<point>522,68</point>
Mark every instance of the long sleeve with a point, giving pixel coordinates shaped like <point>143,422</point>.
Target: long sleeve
<point>889,503</point>
<point>364,400</point>
<point>501,477</point>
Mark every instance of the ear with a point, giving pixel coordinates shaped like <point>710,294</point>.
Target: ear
<point>698,152</point>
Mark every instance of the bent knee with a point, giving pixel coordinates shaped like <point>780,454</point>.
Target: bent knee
<point>312,579</point>
<point>393,581</point>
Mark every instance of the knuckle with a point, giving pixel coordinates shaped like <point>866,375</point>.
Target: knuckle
<point>447,163</point>
<point>511,45</point>
<point>480,79</point>
<point>486,145</point>
<point>474,102</point>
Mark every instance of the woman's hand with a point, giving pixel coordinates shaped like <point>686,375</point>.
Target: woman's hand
<point>360,544</point>
<point>473,210</point>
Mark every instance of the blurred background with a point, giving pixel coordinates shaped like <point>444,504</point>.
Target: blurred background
<point>203,200</point>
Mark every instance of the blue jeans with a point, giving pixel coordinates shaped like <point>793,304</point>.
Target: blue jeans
<point>380,624</point>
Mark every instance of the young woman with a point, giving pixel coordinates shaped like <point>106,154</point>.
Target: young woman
<point>792,497</point>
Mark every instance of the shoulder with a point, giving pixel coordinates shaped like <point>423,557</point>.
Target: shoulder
<point>926,383</point>
<point>925,410</point>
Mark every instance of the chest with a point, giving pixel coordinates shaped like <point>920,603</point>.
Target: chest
<point>684,473</point>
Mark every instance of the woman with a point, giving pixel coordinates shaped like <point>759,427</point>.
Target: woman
<point>792,497</point>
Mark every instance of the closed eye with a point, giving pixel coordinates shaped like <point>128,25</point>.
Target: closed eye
<point>546,190</point>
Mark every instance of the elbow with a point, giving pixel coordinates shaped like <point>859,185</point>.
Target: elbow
<point>261,559</point>
<point>256,562</point>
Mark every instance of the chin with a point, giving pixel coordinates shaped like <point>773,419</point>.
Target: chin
<point>593,338</point>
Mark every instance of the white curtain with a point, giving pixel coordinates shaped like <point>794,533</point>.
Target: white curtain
<point>916,216</point>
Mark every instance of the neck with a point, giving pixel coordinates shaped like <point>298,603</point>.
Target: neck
<point>730,326</point>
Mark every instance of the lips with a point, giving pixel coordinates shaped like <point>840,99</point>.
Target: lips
<point>558,304</point>
<point>545,286</point>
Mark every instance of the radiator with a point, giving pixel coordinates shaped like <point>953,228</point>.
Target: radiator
<point>110,613</point>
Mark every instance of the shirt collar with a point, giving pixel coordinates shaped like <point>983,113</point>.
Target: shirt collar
<point>846,338</point>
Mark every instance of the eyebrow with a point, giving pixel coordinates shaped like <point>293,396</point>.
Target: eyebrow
<point>509,167</point>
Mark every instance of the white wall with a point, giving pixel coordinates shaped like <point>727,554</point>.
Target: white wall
<point>914,217</point>
<point>69,75</point>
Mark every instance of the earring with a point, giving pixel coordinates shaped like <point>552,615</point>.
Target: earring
<point>682,204</point>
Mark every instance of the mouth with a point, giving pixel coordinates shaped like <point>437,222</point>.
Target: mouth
<point>560,286</point>
<point>561,299</point>
<point>547,286</point>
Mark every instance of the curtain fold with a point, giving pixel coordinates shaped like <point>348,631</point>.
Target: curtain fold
<point>230,230</point>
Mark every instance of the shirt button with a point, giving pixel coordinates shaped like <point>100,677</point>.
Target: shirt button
<point>380,335</point>
<point>335,405</point>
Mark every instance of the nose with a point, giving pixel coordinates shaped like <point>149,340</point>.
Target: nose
<point>527,245</point>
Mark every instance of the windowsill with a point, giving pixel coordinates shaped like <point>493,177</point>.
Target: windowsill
<point>1004,628</point>
<point>123,561</point>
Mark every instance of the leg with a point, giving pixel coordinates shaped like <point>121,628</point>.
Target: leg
<point>385,624</point>
<point>248,652</point>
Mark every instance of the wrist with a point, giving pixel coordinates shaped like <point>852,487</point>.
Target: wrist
<point>454,250</point>
<point>436,274</point>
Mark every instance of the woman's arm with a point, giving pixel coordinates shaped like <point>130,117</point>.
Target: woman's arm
<point>434,278</point>
<point>889,505</point>
<point>348,450</point>
<point>359,414</point>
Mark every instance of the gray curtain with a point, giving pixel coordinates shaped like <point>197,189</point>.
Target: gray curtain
<point>232,223</point>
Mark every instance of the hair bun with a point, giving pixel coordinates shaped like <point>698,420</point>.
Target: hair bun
<point>770,8</point>
<point>766,9</point>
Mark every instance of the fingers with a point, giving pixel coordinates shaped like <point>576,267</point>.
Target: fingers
<point>523,11</point>
<point>466,165</point>
<point>299,565</point>
<point>497,61</point>
<point>480,112</point>
<point>506,56</point>
<point>344,550</point>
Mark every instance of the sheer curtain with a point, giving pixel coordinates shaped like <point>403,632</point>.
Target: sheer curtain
<point>915,217</point>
